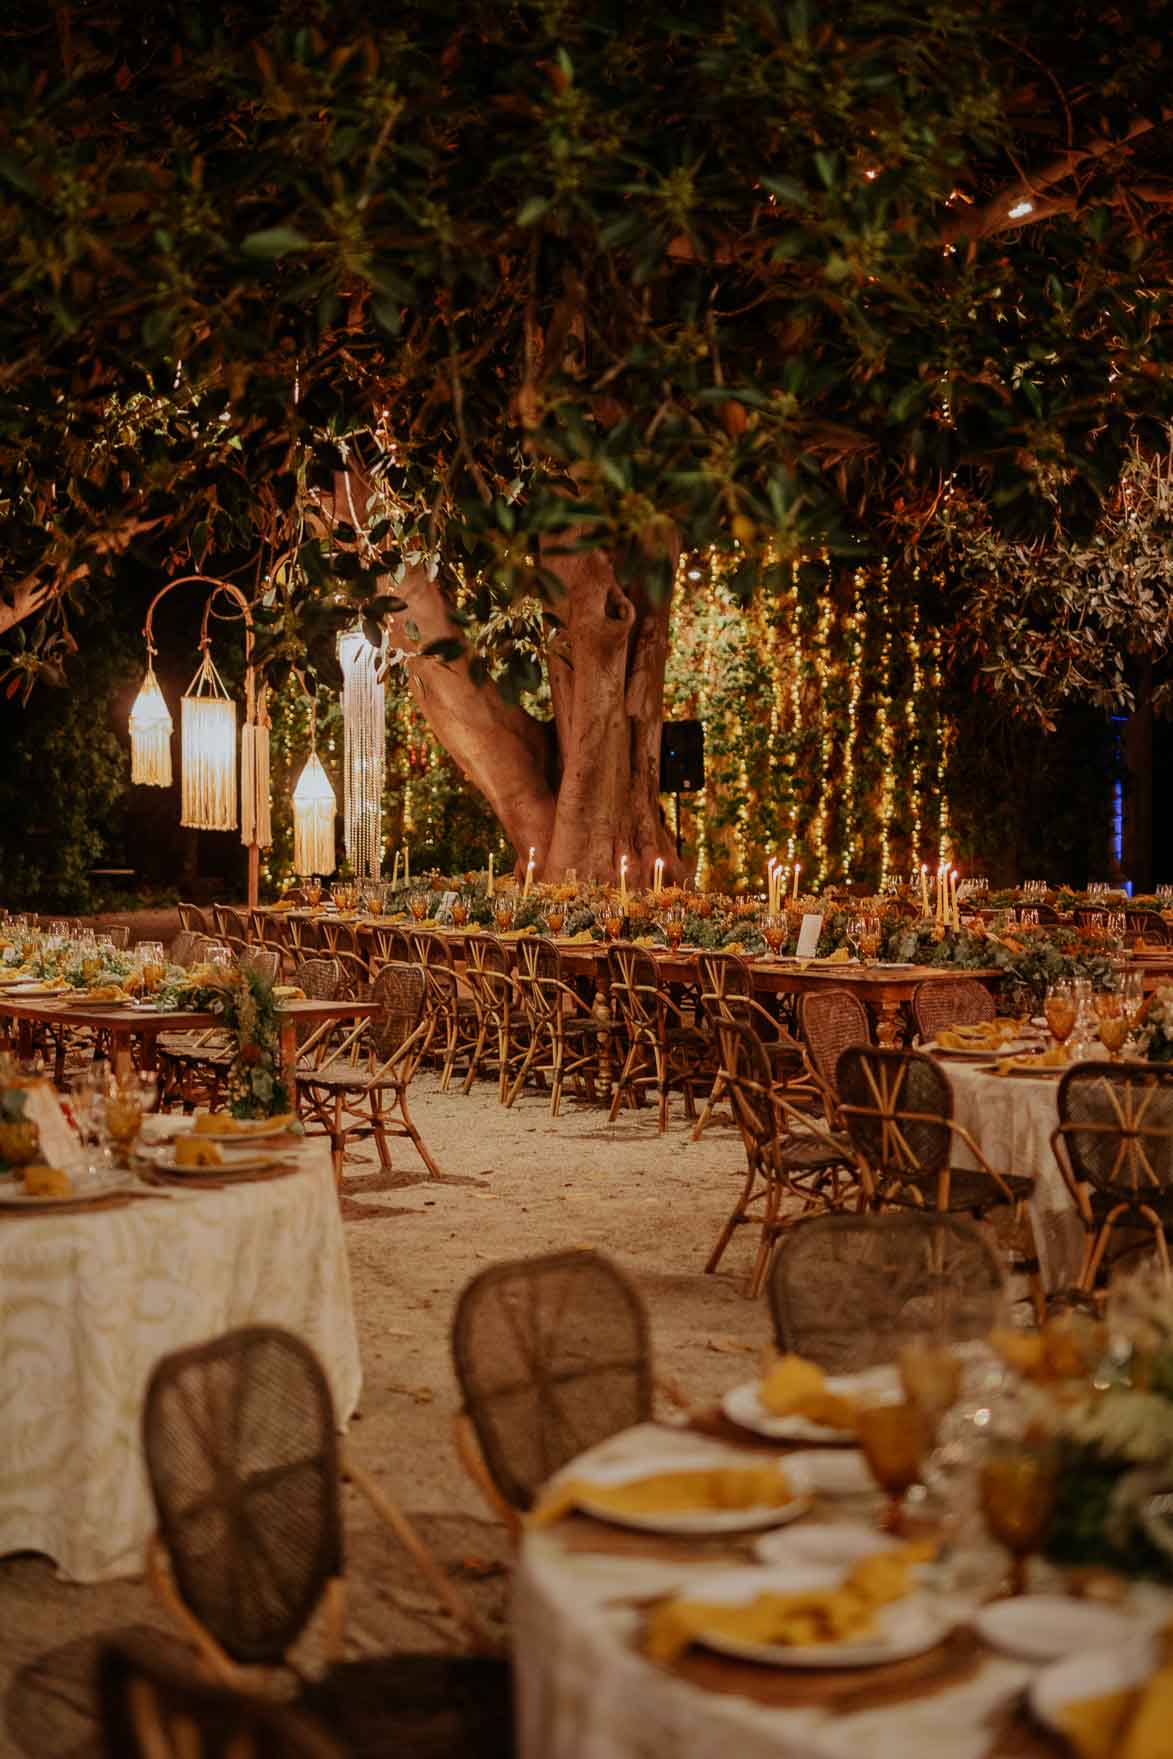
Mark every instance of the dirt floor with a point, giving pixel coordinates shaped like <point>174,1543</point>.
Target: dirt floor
<point>515,1182</point>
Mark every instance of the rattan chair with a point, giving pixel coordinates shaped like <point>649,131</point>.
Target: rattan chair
<point>118,934</point>
<point>790,1159</point>
<point>182,949</point>
<point>388,946</point>
<point>897,1107</point>
<point>318,977</point>
<point>264,961</point>
<point>244,1466</point>
<point>726,993</point>
<point>153,1708</point>
<point>1114,1145</point>
<point>663,1051</point>
<point>828,1021</point>
<point>192,918</point>
<point>336,937</point>
<point>1147,926</point>
<point>561,1032</point>
<point>490,978</point>
<point>553,1356</point>
<point>845,1288</point>
<point>359,1086</point>
<point>958,1001</point>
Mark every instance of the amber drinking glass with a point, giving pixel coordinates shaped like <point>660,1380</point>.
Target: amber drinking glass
<point>459,913</point>
<point>418,905</point>
<point>313,892</point>
<point>613,923</point>
<point>930,1374</point>
<point>1060,1009</point>
<point>774,933</point>
<point>1017,1486</point>
<point>503,914</point>
<point>893,1438</point>
<point>673,926</point>
<point>555,919</point>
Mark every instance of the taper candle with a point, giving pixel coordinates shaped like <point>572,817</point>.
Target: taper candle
<point>658,876</point>
<point>797,871</point>
<point>623,879</point>
<point>529,874</point>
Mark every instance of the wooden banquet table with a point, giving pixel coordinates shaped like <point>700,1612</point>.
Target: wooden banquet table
<point>145,1024</point>
<point>89,1301</point>
<point>584,1690</point>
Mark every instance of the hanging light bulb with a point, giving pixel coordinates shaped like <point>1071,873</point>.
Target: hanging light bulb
<point>150,735</point>
<point>364,718</point>
<point>208,739</point>
<point>314,809</point>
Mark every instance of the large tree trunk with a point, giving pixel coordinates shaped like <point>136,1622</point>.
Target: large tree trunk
<point>587,791</point>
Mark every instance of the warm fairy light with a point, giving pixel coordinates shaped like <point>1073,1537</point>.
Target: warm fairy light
<point>1020,209</point>
<point>914,714</point>
<point>884,724</point>
<point>796,670</point>
<point>852,633</point>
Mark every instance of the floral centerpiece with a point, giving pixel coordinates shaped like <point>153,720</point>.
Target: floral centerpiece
<point>244,1003</point>
<point>1155,1037</point>
<point>1104,1393</point>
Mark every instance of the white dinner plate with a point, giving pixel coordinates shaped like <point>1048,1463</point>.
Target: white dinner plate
<point>830,1545</point>
<point>895,965</point>
<point>1092,1674</point>
<point>33,986</point>
<point>742,1405</point>
<point>1046,1627</point>
<point>238,1139</point>
<point>902,1628</point>
<point>699,1522</point>
<point>86,1182</point>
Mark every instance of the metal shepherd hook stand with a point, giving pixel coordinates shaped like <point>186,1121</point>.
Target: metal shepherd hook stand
<point>255,828</point>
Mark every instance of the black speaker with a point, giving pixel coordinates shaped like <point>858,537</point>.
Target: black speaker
<point>682,757</point>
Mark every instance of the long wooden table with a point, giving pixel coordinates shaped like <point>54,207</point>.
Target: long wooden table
<point>126,1025</point>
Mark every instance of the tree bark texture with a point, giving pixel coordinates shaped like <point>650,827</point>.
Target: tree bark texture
<point>585,790</point>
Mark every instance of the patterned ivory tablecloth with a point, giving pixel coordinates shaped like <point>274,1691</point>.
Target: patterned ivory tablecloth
<point>88,1304</point>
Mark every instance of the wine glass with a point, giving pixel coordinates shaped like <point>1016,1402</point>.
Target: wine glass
<point>1113,1023</point>
<point>459,913</point>
<point>1132,995</point>
<point>931,1374</point>
<point>1017,1483</point>
<point>503,912</point>
<point>1060,1009</point>
<point>313,892</point>
<point>673,926</point>
<point>893,1437</point>
<point>869,940</point>
<point>774,933</point>
<point>556,919</point>
<point>418,905</point>
<point>613,922</point>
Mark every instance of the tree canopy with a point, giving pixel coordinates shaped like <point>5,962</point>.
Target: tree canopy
<point>498,278</point>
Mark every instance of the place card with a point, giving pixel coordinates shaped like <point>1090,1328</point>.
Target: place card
<point>808,935</point>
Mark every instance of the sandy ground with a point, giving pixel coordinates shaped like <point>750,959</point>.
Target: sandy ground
<point>515,1182</point>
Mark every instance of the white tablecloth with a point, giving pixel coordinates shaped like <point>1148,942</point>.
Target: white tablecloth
<point>1011,1119</point>
<point>88,1304</point>
<point>585,1692</point>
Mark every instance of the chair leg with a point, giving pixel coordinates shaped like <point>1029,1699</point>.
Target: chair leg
<point>416,1138</point>
<point>474,1061</point>
<point>737,1215</point>
<point>621,1086</point>
<point>379,1130</point>
<point>556,1057</point>
<point>768,1237</point>
<point>337,1141</point>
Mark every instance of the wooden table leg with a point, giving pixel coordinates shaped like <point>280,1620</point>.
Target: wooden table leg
<point>288,1049</point>
<point>889,1024</point>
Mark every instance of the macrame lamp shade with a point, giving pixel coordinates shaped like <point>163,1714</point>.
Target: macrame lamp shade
<point>256,822</point>
<point>314,810</point>
<point>208,739</point>
<point>150,735</point>
<point>364,718</point>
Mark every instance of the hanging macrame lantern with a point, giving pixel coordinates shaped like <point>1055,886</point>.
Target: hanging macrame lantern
<point>314,811</point>
<point>208,738</point>
<point>365,723</point>
<point>150,735</point>
<point>256,822</point>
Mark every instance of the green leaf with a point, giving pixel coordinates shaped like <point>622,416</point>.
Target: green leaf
<point>787,189</point>
<point>532,210</point>
<point>273,242</point>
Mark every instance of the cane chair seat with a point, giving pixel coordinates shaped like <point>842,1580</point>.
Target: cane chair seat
<point>264,962</point>
<point>828,1021</point>
<point>243,1460</point>
<point>1114,1145</point>
<point>793,1166</point>
<point>553,1356</point>
<point>959,1001</point>
<point>318,977</point>
<point>844,1289</point>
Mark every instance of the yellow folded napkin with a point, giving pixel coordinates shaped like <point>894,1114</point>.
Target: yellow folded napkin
<point>1132,1724</point>
<point>808,1616</point>
<point>647,940</point>
<point>796,1388</point>
<point>1054,1058</point>
<point>705,1487</point>
<point>221,1124</point>
<point>583,936</point>
<point>980,1035</point>
<point>288,992</point>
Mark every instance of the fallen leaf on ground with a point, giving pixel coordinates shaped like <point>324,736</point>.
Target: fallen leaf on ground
<point>729,1346</point>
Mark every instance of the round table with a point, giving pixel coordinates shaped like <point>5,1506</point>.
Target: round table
<point>89,1301</point>
<point>584,1690</point>
<point>1011,1118</point>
